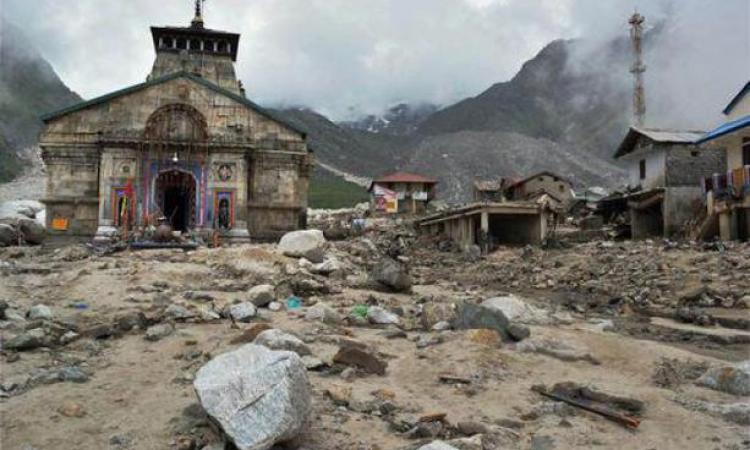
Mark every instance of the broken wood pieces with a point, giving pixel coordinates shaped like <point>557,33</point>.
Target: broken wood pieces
<point>605,405</point>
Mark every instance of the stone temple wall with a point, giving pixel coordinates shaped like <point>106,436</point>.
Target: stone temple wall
<point>258,163</point>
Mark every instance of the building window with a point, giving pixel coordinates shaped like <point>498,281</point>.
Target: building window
<point>642,169</point>
<point>746,151</point>
<point>222,47</point>
<point>562,188</point>
<point>181,44</point>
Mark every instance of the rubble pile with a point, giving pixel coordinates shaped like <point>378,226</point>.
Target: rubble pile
<point>382,340</point>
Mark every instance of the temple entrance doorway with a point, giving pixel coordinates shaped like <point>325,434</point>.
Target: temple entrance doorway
<point>175,195</point>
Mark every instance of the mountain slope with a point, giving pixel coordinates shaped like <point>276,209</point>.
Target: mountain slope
<point>457,159</point>
<point>353,151</point>
<point>561,95</point>
<point>29,87</point>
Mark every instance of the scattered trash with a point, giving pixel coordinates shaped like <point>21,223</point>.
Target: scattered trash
<point>293,302</point>
<point>360,311</point>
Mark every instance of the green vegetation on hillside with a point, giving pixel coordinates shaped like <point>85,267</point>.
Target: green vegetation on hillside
<point>328,191</point>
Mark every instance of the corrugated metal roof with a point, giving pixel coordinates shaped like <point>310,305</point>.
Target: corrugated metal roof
<point>726,128</point>
<point>404,177</point>
<point>673,136</point>
<point>488,185</point>
<point>661,136</point>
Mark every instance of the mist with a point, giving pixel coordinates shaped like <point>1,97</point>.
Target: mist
<point>349,58</point>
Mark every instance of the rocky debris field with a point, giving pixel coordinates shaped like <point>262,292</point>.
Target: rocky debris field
<point>380,341</point>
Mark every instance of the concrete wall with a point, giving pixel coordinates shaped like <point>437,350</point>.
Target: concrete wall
<point>561,189</point>
<point>687,164</point>
<point>656,159</point>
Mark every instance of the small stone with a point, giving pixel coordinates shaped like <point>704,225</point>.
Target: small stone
<point>178,312</point>
<point>40,312</point>
<point>158,332</point>
<point>518,332</point>
<point>348,374</point>
<point>261,295</point>
<point>312,362</point>
<point>242,312</point>
<point>275,306</point>
<point>251,333</point>
<point>441,326</point>
<point>280,340</point>
<point>73,375</point>
<point>360,358</point>
<point>340,395</point>
<point>72,409</point>
<point>68,337</point>
<point>27,341</point>
<point>323,313</point>
<point>198,296</point>
<point>379,316</point>
<point>437,445</point>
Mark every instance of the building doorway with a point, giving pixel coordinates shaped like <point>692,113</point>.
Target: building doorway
<point>175,195</point>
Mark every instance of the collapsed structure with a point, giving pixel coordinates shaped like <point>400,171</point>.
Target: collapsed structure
<point>664,168</point>
<point>186,146</point>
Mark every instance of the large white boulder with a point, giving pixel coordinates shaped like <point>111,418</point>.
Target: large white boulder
<point>516,309</point>
<point>309,244</point>
<point>259,397</point>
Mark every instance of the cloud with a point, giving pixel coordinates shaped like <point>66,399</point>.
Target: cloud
<point>351,57</point>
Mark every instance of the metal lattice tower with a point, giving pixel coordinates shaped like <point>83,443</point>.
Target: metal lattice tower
<point>638,68</point>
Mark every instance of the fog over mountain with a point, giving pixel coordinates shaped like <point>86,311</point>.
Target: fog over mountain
<point>348,59</point>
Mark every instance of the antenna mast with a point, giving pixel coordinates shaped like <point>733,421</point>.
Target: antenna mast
<point>638,68</point>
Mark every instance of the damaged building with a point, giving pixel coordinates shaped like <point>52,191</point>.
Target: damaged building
<point>186,146</point>
<point>489,225</point>
<point>728,191</point>
<point>665,168</point>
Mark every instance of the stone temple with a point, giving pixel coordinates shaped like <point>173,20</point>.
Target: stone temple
<point>186,146</point>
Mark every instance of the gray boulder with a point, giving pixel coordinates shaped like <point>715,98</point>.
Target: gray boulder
<point>242,312</point>
<point>158,332</point>
<point>257,396</point>
<point>40,312</point>
<point>517,310</point>
<point>309,244</point>
<point>379,316</point>
<point>8,236</point>
<point>32,231</point>
<point>27,341</point>
<point>261,295</point>
<point>731,379</point>
<point>470,316</point>
<point>392,275</point>
<point>323,313</point>
<point>437,445</point>
<point>280,340</point>
<point>178,312</point>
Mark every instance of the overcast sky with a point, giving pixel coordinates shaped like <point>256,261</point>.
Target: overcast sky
<point>349,57</point>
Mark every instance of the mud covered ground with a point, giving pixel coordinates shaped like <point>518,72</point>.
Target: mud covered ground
<point>638,320</point>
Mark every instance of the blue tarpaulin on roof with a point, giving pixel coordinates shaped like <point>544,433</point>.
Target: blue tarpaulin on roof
<point>726,128</point>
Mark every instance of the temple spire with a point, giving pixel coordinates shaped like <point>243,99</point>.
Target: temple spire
<point>198,20</point>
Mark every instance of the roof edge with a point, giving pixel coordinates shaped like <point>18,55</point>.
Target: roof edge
<point>163,79</point>
<point>736,99</point>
